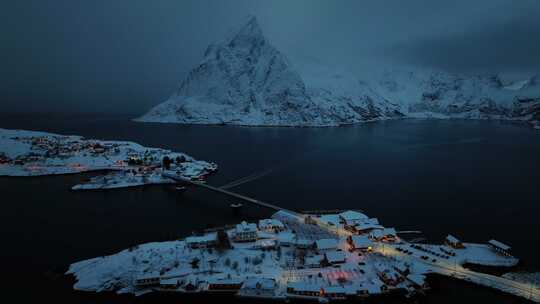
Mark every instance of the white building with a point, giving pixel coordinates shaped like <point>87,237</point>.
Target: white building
<point>245,232</point>
<point>271,225</point>
<point>500,247</point>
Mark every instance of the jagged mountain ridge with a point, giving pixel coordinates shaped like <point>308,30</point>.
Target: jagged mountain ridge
<point>244,80</point>
<point>428,93</point>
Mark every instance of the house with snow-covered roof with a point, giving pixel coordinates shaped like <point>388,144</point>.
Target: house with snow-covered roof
<point>334,257</point>
<point>304,289</point>
<point>363,226</point>
<point>350,217</point>
<point>258,287</point>
<point>326,244</point>
<point>360,242</point>
<point>224,284</point>
<point>147,279</point>
<point>271,225</point>
<point>386,234</point>
<point>313,261</point>
<point>245,232</point>
<point>453,242</point>
<point>499,247</point>
<point>171,284</point>
<point>204,241</point>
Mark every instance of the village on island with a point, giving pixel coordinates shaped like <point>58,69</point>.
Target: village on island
<point>321,257</point>
<point>124,164</point>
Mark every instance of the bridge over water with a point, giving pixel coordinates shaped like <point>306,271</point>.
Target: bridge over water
<point>229,193</point>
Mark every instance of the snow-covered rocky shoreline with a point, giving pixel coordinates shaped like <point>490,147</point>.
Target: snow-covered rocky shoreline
<point>290,255</point>
<point>127,164</point>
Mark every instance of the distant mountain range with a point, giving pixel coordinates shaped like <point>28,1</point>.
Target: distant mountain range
<point>244,80</point>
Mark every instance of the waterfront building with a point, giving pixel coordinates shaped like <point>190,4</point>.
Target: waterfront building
<point>245,232</point>
<point>500,247</point>
<point>224,284</point>
<point>147,279</point>
<point>453,242</point>
<point>204,241</point>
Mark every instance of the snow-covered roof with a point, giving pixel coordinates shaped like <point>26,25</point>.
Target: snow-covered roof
<point>384,232</point>
<point>303,242</point>
<point>270,223</point>
<point>209,237</point>
<point>365,226</point>
<point>498,244</point>
<point>323,244</point>
<point>452,239</point>
<point>335,256</point>
<point>286,237</point>
<point>330,219</point>
<point>361,241</point>
<point>246,227</point>
<point>353,215</point>
<point>224,281</point>
<point>173,281</point>
<point>313,260</point>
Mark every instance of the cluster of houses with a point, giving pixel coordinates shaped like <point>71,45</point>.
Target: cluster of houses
<point>355,254</point>
<point>66,146</point>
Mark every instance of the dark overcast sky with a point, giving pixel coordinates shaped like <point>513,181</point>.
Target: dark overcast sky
<point>128,55</point>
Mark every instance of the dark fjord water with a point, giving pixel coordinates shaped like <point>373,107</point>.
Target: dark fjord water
<point>474,179</point>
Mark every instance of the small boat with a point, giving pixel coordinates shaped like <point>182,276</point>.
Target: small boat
<point>181,188</point>
<point>236,205</point>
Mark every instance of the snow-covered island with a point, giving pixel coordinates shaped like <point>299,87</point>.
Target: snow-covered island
<point>291,255</point>
<point>245,80</point>
<point>126,164</point>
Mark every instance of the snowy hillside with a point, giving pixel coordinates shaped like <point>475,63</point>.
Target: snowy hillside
<point>426,93</point>
<point>244,80</point>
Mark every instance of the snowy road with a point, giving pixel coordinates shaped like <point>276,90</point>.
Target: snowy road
<point>455,270</point>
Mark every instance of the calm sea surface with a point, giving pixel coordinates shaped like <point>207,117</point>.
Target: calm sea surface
<point>475,179</point>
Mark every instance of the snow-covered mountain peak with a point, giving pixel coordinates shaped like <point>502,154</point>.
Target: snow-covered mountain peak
<point>245,80</point>
<point>249,34</point>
